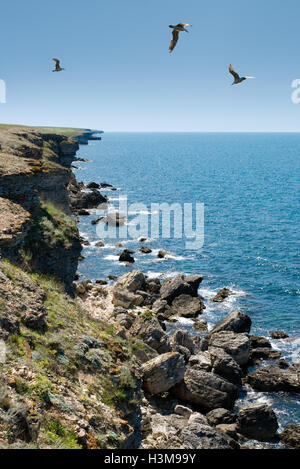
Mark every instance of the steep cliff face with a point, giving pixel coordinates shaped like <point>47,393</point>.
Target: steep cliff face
<point>34,178</point>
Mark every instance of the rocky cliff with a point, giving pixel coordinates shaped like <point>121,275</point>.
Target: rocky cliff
<point>34,177</point>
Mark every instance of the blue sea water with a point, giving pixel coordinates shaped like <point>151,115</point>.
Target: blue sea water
<point>249,184</point>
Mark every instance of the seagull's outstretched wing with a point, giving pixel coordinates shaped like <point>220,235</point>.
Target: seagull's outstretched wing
<point>57,63</point>
<point>249,77</point>
<point>173,43</point>
<point>235,75</point>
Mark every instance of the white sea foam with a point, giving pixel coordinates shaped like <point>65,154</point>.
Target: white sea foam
<point>111,257</point>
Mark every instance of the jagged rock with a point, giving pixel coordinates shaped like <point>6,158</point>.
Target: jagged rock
<point>126,299</point>
<point>224,365</point>
<point>22,424</point>
<point>221,295</point>
<point>201,345</point>
<point>101,281</point>
<point>282,364</point>
<point>86,200</point>
<point>132,281</point>
<point>162,307</point>
<point>199,435</point>
<point>145,250</point>
<point>228,429</point>
<point>184,339</point>
<point>126,257</point>
<point>201,326</point>
<point>93,185</point>
<point>220,416</point>
<point>9,324</point>
<point>34,319</point>
<point>151,332</point>
<point>194,281</point>
<point>187,306</point>
<point>162,373</point>
<point>124,320</point>
<point>275,379</point>
<point>291,436</point>
<point>205,390</point>
<point>259,342</point>
<point>257,422</point>
<point>235,322</point>
<point>99,244</point>
<point>277,335</point>
<point>172,288</point>
<point>153,286</point>
<point>236,345</point>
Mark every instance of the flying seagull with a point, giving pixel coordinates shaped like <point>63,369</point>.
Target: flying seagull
<point>57,66</point>
<point>237,78</point>
<point>176,30</point>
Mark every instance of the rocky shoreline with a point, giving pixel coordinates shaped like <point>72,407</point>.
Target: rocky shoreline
<point>98,365</point>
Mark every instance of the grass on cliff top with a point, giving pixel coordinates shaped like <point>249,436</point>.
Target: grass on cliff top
<point>68,132</point>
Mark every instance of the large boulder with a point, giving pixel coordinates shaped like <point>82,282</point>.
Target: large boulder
<point>132,281</point>
<point>275,379</point>
<point>257,422</point>
<point>173,287</point>
<point>126,257</point>
<point>199,435</point>
<point>205,390</point>
<point>235,322</point>
<point>221,295</point>
<point>236,345</point>
<point>150,331</point>
<point>224,365</point>
<point>291,436</point>
<point>259,342</point>
<point>187,306</point>
<point>220,416</point>
<point>162,373</point>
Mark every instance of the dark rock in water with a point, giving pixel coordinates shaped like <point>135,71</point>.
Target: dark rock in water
<point>291,436</point>
<point>236,345</point>
<point>112,277</point>
<point>150,331</point>
<point>283,364</point>
<point>222,295</point>
<point>162,373</point>
<point>235,322</point>
<point>259,342</point>
<point>101,282</point>
<point>93,185</point>
<point>104,185</point>
<point>205,390</point>
<point>264,354</point>
<point>220,416</point>
<point>171,288</point>
<point>162,254</point>
<point>114,219</point>
<point>145,250</point>
<point>277,335</point>
<point>274,379</point>
<point>194,281</point>
<point>257,422</point>
<point>126,257</point>
<point>99,244</point>
<point>86,200</point>
<point>225,366</point>
<point>197,434</point>
<point>142,240</point>
<point>187,306</point>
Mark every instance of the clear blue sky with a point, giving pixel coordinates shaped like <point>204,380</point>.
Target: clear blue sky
<point>119,75</point>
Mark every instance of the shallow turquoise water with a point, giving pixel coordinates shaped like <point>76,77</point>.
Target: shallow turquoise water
<point>249,184</point>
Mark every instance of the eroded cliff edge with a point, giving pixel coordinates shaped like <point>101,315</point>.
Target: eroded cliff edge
<point>35,225</point>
